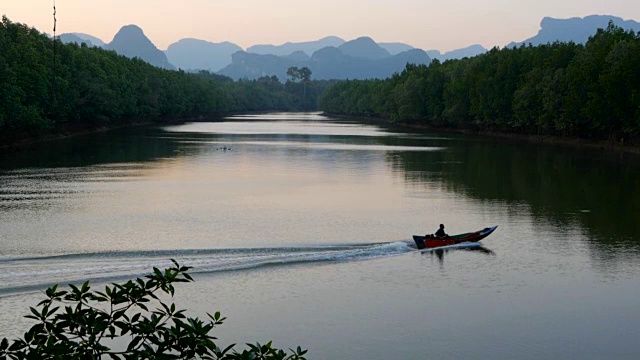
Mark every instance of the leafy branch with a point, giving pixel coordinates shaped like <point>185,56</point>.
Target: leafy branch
<point>74,324</point>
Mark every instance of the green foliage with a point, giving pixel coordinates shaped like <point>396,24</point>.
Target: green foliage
<point>299,74</point>
<point>305,94</point>
<point>564,89</point>
<point>91,87</point>
<point>76,323</point>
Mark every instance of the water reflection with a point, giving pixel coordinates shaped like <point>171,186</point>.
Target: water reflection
<point>125,146</point>
<point>321,221</point>
<point>560,186</point>
<point>440,254</point>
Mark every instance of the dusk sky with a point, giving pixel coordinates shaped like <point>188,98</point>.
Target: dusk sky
<point>441,25</point>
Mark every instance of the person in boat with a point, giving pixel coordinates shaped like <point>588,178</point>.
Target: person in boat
<point>440,233</point>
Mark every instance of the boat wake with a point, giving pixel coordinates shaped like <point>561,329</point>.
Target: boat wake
<point>26,274</point>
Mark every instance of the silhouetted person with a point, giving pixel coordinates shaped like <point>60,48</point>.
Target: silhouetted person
<point>440,233</point>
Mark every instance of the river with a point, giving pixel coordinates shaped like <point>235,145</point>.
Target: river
<point>299,230</point>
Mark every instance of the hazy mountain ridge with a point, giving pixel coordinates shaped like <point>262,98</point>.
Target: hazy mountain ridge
<point>328,63</point>
<point>94,40</point>
<point>323,54</point>
<point>469,51</point>
<point>365,48</point>
<point>298,56</point>
<point>308,47</point>
<point>246,65</point>
<point>333,63</point>
<point>395,48</point>
<point>80,38</point>
<point>575,29</point>
<point>195,54</point>
<point>74,39</point>
<point>131,42</point>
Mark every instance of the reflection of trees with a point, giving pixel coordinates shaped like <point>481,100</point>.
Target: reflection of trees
<point>559,184</point>
<point>128,145</point>
<point>556,183</point>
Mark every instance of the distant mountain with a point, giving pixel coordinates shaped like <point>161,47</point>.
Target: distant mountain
<point>332,63</point>
<point>299,56</point>
<point>413,56</point>
<point>365,48</point>
<point>246,65</point>
<point>72,38</point>
<point>395,48</point>
<point>434,54</point>
<point>80,38</point>
<point>308,47</point>
<point>575,29</point>
<point>469,51</point>
<point>194,54</point>
<point>94,40</point>
<point>131,42</point>
<point>327,63</point>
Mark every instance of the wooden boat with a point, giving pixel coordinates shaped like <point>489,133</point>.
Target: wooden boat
<point>432,241</point>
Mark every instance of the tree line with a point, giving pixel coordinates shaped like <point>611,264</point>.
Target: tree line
<point>562,89</point>
<point>46,86</point>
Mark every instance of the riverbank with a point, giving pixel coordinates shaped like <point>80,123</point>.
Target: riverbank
<point>556,140</point>
<point>64,133</point>
<point>538,139</point>
<point>79,129</point>
<point>72,130</point>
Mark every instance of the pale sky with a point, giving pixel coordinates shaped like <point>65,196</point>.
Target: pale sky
<point>443,25</point>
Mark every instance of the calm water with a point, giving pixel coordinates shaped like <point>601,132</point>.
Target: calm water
<point>298,227</point>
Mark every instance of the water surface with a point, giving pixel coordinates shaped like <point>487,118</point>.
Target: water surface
<point>299,228</point>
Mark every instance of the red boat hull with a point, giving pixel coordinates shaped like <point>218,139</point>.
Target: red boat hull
<point>430,241</point>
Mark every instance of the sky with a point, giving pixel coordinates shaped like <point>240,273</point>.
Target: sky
<point>441,25</point>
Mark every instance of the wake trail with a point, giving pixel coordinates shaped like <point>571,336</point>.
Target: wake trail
<point>30,273</point>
